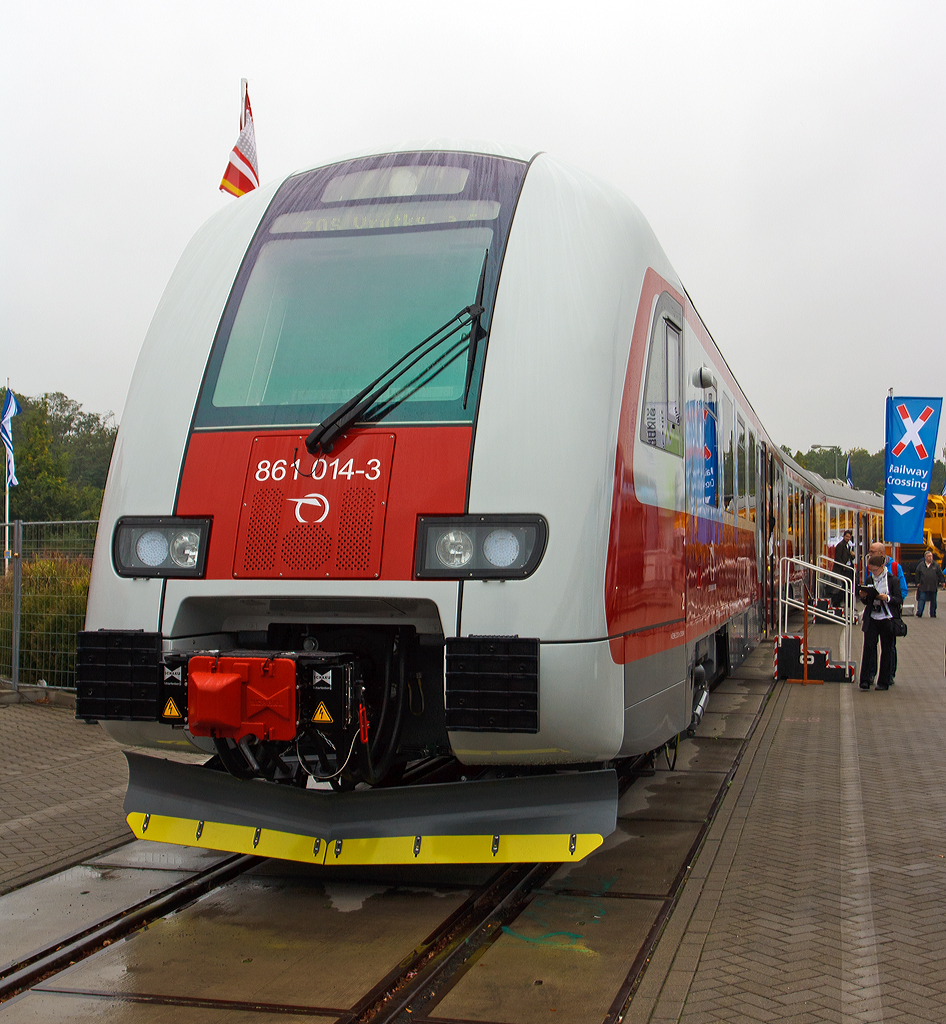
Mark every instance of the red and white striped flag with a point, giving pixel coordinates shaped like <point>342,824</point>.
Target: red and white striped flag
<point>242,173</point>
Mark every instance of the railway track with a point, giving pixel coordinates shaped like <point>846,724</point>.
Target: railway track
<point>39,963</point>
<point>552,921</point>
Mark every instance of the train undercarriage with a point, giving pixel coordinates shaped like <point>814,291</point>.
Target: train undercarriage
<point>330,745</point>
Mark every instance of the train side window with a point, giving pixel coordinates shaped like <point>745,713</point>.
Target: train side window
<point>710,449</point>
<point>752,473</point>
<point>662,420</point>
<point>673,336</point>
<point>729,456</point>
<point>742,469</point>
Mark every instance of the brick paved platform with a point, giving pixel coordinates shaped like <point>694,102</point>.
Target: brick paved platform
<point>62,783</point>
<point>819,894</point>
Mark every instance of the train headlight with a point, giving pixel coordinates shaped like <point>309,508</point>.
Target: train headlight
<point>152,548</point>
<point>479,547</point>
<point>454,549</point>
<point>501,548</point>
<point>185,549</point>
<point>160,546</point>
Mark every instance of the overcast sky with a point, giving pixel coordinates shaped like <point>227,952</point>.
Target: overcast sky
<point>790,157</point>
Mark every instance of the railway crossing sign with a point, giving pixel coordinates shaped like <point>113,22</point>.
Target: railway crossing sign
<point>912,429</point>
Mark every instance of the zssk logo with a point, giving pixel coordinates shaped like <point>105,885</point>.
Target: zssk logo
<point>310,508</point>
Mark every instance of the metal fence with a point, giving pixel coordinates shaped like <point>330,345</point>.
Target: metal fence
<point>43,593</point>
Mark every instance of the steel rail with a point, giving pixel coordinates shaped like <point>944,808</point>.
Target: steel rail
<point>65,950</point>
<point>403,995</point>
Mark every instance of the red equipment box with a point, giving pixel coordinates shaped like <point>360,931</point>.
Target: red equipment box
<point>233,697</point>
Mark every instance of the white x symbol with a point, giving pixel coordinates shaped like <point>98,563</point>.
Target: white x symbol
<point>912,435</point>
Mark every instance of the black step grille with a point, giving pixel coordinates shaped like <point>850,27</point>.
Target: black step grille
<point>118,675</point>
<point>492,684</point>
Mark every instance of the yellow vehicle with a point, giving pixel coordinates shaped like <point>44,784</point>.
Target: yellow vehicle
<point>934,529</point>
<point>934,533</point>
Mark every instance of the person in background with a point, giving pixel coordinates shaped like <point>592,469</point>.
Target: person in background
<point>877,548</point>
<point>843,564</point>
<point>928,577</point>
<point>882,597</point>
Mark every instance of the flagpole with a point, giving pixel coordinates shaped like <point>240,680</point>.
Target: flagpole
<point>242,104</point>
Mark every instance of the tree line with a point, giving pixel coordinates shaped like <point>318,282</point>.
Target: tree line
<point>62,455</point>
<point>867,471</point>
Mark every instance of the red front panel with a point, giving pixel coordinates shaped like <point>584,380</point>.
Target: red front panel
<point>269,516</point>
<point>304,517</point>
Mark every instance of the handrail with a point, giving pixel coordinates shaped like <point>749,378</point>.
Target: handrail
<point>820,576</point>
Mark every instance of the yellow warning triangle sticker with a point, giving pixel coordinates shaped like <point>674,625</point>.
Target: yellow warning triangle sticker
<point>321,714</point>
<point>170,710</point>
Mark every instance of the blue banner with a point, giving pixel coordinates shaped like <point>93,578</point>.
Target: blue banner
<point>912,430</point>
<point>710,455</point>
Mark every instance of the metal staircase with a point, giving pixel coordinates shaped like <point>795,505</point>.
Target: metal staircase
<point>800,587</point>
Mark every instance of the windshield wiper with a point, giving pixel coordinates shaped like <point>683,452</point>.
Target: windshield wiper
<point>428,374</point>
<point>476,332</point>
<point>323,437</point>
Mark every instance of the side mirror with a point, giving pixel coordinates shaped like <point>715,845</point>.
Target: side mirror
<point>703,378</point>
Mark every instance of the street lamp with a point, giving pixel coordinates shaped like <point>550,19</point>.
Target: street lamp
<point>829,448</point>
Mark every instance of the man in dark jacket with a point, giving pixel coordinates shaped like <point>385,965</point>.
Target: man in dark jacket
<point>928,577</point>
<point>843,564</point>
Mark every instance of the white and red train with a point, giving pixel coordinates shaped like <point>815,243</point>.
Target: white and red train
<point>428,459</point>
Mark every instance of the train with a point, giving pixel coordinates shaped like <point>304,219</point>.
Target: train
<point>433,500</point>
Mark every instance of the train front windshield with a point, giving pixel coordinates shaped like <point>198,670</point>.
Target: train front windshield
<point>352,267</point>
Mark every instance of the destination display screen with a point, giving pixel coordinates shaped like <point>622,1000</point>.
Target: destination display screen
<point>381,216</point>
<point>430,179</point>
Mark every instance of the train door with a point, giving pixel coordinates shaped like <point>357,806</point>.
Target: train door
<point>705,562</point>
<point>865,534</point>
<point>756,517</point>
<point>764,532</point>
<point>775,524</point>
<point>809,501</point>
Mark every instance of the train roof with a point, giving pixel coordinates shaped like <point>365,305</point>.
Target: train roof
<point>435,145</point>
<point>836,491</point>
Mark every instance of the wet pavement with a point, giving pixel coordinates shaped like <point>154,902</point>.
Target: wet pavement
<point>73,900</point>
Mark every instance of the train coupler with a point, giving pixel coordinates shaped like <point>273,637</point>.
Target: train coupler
<point>123,675</point>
